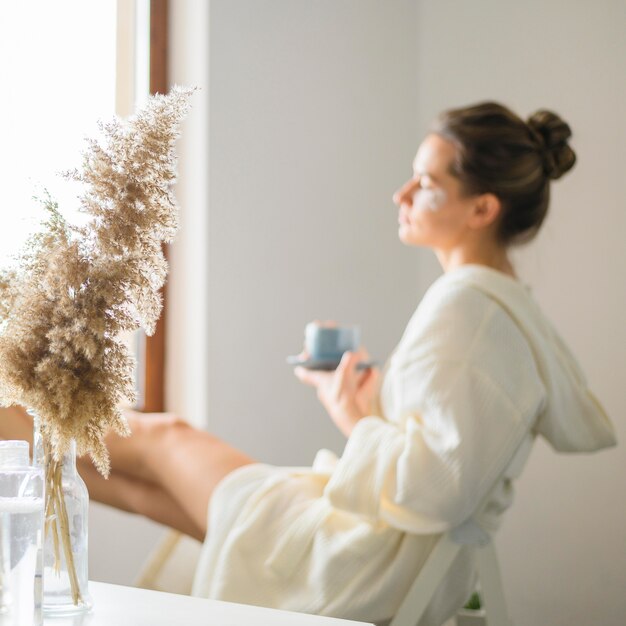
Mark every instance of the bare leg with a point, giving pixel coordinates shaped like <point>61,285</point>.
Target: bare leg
<point>137,496</point>
<point>166,469</point>
<point>186,462</point>
<point>15,423</point>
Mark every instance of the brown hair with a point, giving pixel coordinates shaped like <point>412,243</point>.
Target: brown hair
<point>498,152</point>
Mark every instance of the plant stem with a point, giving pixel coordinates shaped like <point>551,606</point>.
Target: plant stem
<point>57,522</point>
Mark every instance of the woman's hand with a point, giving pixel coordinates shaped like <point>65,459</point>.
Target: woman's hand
<point>346,393</point>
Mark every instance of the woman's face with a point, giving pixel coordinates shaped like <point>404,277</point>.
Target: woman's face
<point>433,210</point>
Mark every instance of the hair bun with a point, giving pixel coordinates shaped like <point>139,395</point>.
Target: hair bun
<point>551,134</point>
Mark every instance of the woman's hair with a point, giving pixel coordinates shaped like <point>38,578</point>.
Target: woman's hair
<point>498,152</point>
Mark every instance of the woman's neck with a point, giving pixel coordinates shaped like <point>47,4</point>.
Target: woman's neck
<point>495,258</point>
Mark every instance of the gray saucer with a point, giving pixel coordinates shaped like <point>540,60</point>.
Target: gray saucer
<point>328,366</point>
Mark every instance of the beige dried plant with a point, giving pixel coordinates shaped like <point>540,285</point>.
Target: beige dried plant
<point>75,289</point>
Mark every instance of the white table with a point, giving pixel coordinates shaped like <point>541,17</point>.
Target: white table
<point>128,606</point>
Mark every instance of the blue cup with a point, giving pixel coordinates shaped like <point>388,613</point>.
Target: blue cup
<point>328,343</point>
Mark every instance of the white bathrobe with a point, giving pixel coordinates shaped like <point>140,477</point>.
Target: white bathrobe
<point>477,374</point>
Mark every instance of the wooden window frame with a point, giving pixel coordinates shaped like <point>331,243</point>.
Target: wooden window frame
<point>153,371</point>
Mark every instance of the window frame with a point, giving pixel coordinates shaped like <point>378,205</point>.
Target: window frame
<point>153,359</point>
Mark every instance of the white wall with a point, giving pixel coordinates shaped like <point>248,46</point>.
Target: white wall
<point>563,544</point>
<point>187,290</point>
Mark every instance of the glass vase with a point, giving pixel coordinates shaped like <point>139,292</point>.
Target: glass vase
<point>21,531</point>
<point>65,564</point>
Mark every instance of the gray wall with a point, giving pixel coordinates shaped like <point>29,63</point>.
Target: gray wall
<point>312,129</point>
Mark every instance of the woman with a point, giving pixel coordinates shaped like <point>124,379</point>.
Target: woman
<point>478,373</point>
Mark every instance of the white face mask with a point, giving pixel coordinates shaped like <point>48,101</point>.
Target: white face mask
<point>429,199</point>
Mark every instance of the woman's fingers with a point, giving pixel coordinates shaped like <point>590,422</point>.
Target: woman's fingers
<point>369,381</point>
<point>345,379</point>
<point>348,362</point>
<point>345,393</point>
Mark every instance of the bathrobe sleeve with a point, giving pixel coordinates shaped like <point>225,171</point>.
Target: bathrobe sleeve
<point>461,392</point>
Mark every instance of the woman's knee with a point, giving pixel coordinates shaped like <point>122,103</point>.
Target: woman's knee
<point>155,426</point>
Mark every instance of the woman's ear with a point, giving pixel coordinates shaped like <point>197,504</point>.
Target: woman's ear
<point>485,212</point>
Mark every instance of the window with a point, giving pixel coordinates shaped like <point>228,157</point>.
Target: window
<point>64,66</point>
<point>58,77</point>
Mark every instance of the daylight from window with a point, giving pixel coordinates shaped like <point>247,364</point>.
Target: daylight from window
<point>57,70</point>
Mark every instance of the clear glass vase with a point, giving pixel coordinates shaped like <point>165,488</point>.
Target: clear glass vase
<point>65,563</point>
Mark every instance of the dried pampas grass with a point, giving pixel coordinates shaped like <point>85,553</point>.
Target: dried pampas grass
<point>75,289</point>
